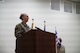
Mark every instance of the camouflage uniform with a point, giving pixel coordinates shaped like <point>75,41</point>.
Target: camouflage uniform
<point>61,49</point>
<point>20,29</point>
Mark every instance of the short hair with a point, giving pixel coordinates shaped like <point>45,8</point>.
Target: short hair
<point>60,39</point>
<point>21,16</point>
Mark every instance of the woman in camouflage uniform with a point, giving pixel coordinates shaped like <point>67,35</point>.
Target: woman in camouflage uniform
<point>22,27</point>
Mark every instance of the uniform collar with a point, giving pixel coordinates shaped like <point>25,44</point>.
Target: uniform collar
<point>23,24</point>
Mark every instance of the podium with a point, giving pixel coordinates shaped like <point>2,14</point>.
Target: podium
<point>36,41</point>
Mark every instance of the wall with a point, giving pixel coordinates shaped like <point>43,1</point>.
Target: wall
<point>67,24</point>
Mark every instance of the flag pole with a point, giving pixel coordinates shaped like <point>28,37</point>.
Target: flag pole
<point>56,39</point>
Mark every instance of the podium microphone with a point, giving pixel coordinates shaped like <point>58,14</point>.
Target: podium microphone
<point>37,28</point>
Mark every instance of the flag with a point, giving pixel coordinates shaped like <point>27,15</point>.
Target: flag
<point>44,25</point>
<point>56,35</point>
<point>57,39</point>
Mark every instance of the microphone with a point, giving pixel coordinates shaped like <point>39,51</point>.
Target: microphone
<point>37,28</point>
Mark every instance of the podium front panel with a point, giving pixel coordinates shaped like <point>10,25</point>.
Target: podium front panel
<point>45,42</point>
<point>26,43</point>
<point>36,41</point>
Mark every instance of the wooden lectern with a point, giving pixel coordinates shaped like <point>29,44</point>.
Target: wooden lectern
<point>36,41</point>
